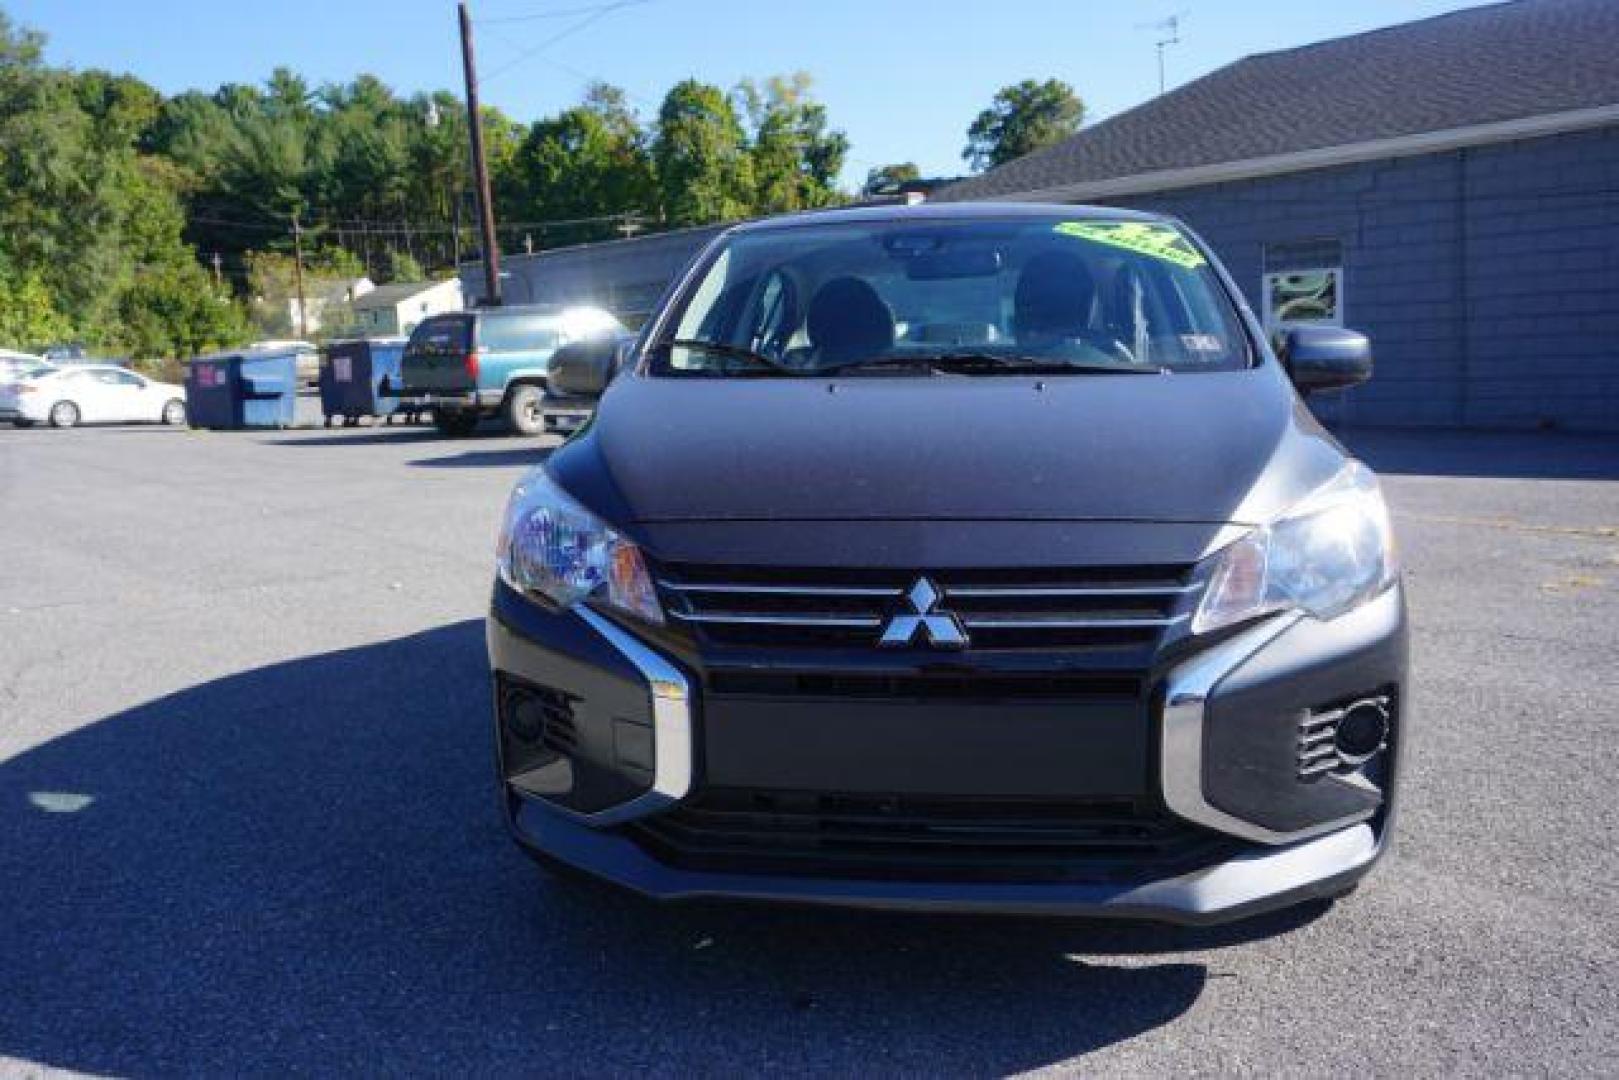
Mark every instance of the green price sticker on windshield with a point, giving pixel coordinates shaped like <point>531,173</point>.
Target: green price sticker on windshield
<point>1142,237</point>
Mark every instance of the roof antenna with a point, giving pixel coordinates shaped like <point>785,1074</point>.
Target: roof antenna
<point>1171,29</point>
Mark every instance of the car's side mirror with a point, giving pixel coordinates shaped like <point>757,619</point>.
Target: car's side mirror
<point>584,368</point>
<point>1325,358</point>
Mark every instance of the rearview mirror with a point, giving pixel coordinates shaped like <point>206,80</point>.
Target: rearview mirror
<point>584,368</point>
<point>1325,358</point>
<point>954,265</point>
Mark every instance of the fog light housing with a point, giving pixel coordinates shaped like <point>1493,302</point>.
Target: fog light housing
<point>1362,732</point>
<point>1340,739</point>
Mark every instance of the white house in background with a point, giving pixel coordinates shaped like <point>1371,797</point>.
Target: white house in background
<point>323,293</point>
<point>396,309</point>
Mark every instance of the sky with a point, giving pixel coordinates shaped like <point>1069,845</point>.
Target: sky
<point>903,79</point>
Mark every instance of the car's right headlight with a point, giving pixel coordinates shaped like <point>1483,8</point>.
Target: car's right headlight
<point>1330,553</point>
<point>552,548</point>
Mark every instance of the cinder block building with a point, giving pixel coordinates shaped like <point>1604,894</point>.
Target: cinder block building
<point>1450,187</point>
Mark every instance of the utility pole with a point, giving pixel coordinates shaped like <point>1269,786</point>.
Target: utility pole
<point>455,232</point>
<point>298,276</point>
<point>219,281</point>
<point>528,243</point>
<point>480,166</point>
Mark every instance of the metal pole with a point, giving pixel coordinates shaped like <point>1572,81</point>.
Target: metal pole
<point>480,166</point>
<point>455,232</point>
<point>298,276</point>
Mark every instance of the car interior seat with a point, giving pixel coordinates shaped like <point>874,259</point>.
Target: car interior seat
<point>848,320</point>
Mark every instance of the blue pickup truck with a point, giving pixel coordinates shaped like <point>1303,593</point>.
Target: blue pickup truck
<point>492,362</point>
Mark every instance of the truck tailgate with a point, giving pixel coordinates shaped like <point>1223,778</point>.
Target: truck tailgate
<point>436,358</point>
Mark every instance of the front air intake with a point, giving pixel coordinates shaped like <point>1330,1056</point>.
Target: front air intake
<point>1341,739</point>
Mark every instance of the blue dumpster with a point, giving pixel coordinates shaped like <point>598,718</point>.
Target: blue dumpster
<point>269,387</point>
<point>361,378</point>
<point>254,388</point>
<point>211,400</point>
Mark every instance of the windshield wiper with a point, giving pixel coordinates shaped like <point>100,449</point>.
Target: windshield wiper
<point>764,364</point>
<point>971,362</point>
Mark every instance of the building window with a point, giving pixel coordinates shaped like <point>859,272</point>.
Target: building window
<point>1303,284</point>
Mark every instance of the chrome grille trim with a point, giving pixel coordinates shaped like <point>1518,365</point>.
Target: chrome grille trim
<point>776,590</point>
<point>738,619</point>
<point>999,608</point>
<point>999,623</point>
<point>999,592</point>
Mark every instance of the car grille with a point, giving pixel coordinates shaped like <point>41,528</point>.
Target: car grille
<point>906,838</point>
<point>998,609</point>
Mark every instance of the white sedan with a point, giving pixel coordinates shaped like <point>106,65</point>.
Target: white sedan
<point>91,394</point>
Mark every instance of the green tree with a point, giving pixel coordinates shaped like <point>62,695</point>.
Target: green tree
<point>173,311</point>
<point>400,266</point>
<point>589,161</point>
<point>884,179</point>
<point>795,159</point>
<point>28,318</point>
<point>1022,119</point>
<point>701,154</point>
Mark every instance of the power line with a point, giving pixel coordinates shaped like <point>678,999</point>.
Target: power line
<point>589,20</point>
<point>559,13</point>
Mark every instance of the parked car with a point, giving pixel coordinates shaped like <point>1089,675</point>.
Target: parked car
<point>1086,616</point>
<point>15,365</point>
<point>471,365</point>
<point>90,393</point>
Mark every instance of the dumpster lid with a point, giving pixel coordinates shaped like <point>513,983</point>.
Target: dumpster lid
<point>258,350</point>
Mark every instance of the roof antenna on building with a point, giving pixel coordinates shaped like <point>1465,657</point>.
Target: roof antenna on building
<point>1171,29</point>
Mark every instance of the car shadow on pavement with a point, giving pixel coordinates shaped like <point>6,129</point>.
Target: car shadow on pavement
<point>301,869</point>
<point>1525,455</point>
<point>526,454</point>
<point>391,435</point>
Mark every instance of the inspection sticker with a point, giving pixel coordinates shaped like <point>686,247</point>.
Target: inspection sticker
<point>1142,237</point>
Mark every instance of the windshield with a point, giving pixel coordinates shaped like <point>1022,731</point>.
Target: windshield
<point>519,333</point>
<point>1000,294</point>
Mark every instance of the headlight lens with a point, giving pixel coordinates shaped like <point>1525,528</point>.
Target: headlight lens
<point>1331,553</point>
<point>552,547</point>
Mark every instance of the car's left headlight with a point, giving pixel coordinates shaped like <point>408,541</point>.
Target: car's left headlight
<point>552,548</point>
<point>1332,552</point>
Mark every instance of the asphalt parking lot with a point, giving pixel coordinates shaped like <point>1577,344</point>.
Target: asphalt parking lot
<point>248,823</point>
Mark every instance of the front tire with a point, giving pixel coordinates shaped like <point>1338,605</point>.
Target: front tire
<point>174,413</point>
<point>64,414</point>
<point>524,411</point>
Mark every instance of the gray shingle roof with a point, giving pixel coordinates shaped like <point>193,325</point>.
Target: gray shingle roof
<point>385,296</point>
<point>1477,66</point>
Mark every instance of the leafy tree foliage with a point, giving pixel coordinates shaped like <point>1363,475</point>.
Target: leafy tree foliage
<point>1022,119</point>
<point>118,207</point>
<point>90,227</point>
<point>700,151</point>
<point>586,162</point>
<point>795,158</point>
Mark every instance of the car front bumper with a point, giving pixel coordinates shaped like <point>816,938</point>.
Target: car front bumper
<point>11,412</point>
<point>1224,723</point>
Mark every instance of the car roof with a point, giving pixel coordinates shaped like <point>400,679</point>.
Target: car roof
<point>964,211</point>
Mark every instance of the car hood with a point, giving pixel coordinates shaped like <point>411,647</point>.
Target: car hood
<point>1233,447</point>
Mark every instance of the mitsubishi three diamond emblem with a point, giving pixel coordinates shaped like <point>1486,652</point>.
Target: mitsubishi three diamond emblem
<point>942,629</point>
